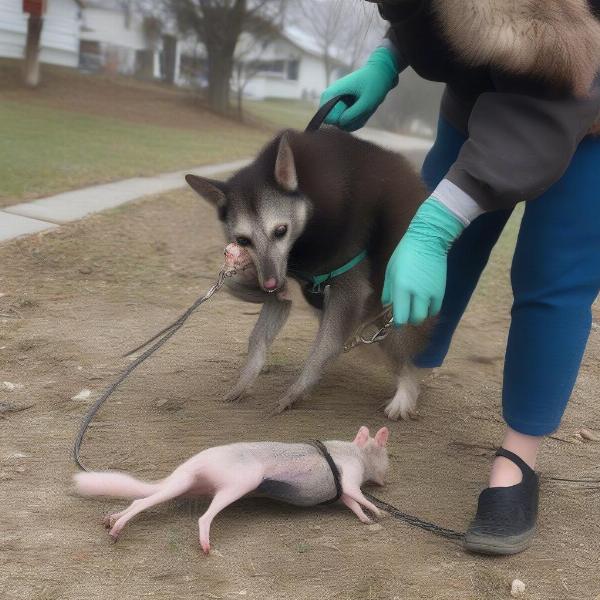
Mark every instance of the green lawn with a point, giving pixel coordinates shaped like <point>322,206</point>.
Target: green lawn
<point>282,113</point>
<point>45,151</point>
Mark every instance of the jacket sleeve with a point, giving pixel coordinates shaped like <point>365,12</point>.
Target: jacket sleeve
<point>519,145</point>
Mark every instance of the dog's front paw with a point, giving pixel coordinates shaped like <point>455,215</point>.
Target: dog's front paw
<point>234,395</point>
<point>286,403</point>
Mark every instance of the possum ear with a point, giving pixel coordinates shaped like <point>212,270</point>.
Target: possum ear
<point>381,437</point>
<point>362,437</point>
<point>285,168</point>
<point>211,190</point>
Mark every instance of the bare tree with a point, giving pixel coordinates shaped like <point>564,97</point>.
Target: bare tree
<point>218,24</point>
<point>321,19</point>
<point>343,30</point>
<point>363,31</point>
<point>259,33</point>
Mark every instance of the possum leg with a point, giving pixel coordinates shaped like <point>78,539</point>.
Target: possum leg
<point>272,318</point>
<point>242,483</point>
<point>173,486</point>
<point>355,507</point>
<point>354,493</point>
<point>343,308</point>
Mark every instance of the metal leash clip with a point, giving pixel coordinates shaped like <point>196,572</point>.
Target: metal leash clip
<point>372,331</point>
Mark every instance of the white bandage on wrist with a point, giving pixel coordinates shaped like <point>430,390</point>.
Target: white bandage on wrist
<point>457,202</point>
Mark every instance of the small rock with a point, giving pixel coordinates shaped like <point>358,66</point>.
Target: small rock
<point>517,588</point>
<point>85,270</point>
<point>18,455</point>
<point>11,387</point>
<point>589,435</point>
<point>375,527</point>
<point>20,469</point>
<point>83,395</point>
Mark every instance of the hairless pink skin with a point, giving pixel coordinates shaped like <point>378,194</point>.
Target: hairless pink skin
<point>293,473</point>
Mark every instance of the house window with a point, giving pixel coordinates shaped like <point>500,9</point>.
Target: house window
<point>293,68</point>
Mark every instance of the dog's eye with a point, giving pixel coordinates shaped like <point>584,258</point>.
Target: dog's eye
<point>243,241</point>
<point>280,231</point>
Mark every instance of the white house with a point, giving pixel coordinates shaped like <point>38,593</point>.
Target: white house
<point>114,38</point>
<point>288,66</point>
<point>59,44</point>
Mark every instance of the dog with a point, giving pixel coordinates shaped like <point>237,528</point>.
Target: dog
<point>320,203</point>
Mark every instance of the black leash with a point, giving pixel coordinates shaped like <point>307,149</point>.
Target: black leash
<point>449,534</point>
<point>411,520</point>
<point>170,330</point>
<point>324,110</point>
<point>166,334</point>
<point>320,446</point>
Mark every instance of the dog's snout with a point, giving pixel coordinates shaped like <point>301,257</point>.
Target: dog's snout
<point>270,284</point>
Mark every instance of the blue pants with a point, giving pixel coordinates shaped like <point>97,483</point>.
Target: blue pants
<point>555,278</point>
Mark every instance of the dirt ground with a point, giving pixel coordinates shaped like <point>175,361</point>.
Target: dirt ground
<point>73,300</point>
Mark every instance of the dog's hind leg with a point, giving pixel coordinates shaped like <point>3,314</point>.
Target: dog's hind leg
<point>400,346</point>
<point>272,318</point>
<point>343,309</point>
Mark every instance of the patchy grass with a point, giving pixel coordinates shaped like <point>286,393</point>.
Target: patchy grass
<point>47,150</point>
<point>282,113</point>
<point>77,130</point>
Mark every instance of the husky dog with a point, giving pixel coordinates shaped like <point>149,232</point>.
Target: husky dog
<point>308,205</point>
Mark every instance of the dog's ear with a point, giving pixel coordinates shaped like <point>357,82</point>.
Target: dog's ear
<point>285,168</point>
<point>211,190</point>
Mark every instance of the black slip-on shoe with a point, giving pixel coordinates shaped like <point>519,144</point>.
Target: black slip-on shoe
<point>506,516</point>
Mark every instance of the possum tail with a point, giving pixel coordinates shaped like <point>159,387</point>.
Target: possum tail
<point>111,483</point>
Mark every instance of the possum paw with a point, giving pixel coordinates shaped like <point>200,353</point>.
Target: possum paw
<point>108,521</point>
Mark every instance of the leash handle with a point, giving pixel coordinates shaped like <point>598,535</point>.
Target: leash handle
<point>324,110</point>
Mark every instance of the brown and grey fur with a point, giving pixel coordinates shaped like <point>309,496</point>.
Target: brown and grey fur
<point>338,195</point>
<point>556,40</point>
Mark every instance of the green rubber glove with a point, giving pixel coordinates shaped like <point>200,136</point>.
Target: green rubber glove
<point>415,278</point>
<point>369,85</point>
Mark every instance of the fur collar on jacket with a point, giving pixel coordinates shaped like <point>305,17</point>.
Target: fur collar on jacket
<point>558,40</point>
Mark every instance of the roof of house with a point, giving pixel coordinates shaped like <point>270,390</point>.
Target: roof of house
<point>306,42</point>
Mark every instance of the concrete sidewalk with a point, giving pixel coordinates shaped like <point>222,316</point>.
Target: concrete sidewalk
<point>48,213</point>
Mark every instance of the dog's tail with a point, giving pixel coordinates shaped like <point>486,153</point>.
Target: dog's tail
<point>110,483</point>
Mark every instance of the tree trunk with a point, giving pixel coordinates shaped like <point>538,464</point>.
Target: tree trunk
<point>31,68</point>
<point>219,77</point>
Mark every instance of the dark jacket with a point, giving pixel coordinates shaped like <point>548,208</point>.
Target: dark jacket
<point>525,106</point>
